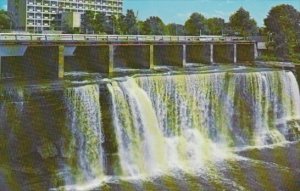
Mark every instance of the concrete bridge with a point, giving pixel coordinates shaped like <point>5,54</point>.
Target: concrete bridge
<point>48,56</point>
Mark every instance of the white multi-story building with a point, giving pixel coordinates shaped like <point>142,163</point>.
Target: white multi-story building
<point>39,15</point>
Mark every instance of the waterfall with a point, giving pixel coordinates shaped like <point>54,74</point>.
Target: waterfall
<point>143,126</point>
<point>184,120</point>
<point>137,129</point>
<point>83,149</point>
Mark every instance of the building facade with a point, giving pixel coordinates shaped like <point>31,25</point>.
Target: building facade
<point>43,15</point>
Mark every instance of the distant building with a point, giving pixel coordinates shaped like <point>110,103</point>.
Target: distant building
<point>45,15</point>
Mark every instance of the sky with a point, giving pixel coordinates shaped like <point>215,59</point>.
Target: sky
<point>178,11</point>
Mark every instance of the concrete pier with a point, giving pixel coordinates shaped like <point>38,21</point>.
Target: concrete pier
<point>234,54</point>
<point>111,59</point>
<point>151,56</point>
<point>211,47</point>
<point>61,62</point>
<point>183,54</point>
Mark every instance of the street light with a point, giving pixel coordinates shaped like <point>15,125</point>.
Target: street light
<point>137,20</point>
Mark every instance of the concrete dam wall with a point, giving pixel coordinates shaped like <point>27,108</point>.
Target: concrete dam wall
<point>51,61</point>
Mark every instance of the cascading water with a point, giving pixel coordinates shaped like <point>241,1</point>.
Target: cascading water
<point>185,120</point>
<point>152,125</point>
<point>84,121</point>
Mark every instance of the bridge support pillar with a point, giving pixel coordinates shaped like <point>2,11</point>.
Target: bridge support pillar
<point>111,59</point>
<point>183,54</point>
<point>211,48</point>
<point>255,51</point>
<point>234,54</point>
<point>61,62</point>
<point>151,56</point>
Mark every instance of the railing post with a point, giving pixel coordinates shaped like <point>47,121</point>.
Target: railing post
<point>211,53</point>
<point>111,59</point>
<point>183,54</point>
<point>151,59</point>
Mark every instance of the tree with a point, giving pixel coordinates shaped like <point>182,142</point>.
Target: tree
<point>215,26</point>
<point>153,26</point>
<point>241,23</point>
<point>195,24</point>
<point>175,29</point>
<point>114,25</point>
<point>99,22</point>
<point>128,23</point>
<point>283,25</point>
<point>121,23</point>
<point>88,21</point>
<point>5,20</point>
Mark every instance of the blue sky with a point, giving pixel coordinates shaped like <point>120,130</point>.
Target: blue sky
<point>179,10</point>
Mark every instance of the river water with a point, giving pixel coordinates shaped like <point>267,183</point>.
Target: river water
<point>232,129</point>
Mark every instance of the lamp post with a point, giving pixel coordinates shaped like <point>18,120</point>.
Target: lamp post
<point>137,20</point>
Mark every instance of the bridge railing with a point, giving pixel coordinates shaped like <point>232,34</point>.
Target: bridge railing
<point>111,38</point>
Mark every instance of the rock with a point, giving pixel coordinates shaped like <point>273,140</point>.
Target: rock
<point>47,150</point>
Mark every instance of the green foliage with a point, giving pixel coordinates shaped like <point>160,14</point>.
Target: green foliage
<point>88,21</point>
<point>241,23</point>
<point>195,24</point>
<point>5,20</point>
<point>283,25</point>
<point>128,23</point>
<point>153,26</point>
<point>175,29</point>
<point>99,23</point>
<point>215,26</point>
<point>112,26</point>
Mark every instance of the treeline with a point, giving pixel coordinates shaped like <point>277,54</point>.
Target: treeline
<point>240,23</point>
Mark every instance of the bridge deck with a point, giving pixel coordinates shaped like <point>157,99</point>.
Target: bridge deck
<point>90,38</point>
